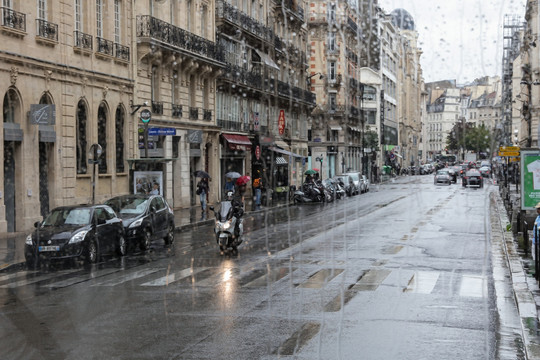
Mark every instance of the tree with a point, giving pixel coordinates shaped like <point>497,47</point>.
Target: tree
<point>478,139</point>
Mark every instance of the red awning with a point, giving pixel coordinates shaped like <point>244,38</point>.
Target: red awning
<point>238,142</point>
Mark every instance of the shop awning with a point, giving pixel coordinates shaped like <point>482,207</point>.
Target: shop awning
<point>238,142</point>
<point>280,161</point>
<point>265,58</point>
<point>282,144</point>
<point>285,152</point>
<point>335,127</point>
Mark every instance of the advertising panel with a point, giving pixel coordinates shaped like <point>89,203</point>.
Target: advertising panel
<point>148,182</point>
<point>530,179</point>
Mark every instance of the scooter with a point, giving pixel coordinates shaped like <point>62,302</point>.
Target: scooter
<point>309,194</point>
<point>224,227</point>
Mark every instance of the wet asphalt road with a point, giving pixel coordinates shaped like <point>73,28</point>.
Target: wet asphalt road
<point>406,271</point>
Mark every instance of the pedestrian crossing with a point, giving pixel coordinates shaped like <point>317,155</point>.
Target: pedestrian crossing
<point>369,280</point>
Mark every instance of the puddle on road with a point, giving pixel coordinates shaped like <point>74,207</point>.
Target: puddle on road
<point>422,282</point>
<point>296,342</point>
<point>390,250</point>
<point>273,276</point>
<point>473,286</point>
<point>320,278</point>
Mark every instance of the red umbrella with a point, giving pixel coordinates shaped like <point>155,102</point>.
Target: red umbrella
<point>243,180</point>
<point>317,170</point>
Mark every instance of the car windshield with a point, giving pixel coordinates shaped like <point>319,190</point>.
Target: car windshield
<point>129,205</point>
<point>60,217</point>
<point>442,172</point>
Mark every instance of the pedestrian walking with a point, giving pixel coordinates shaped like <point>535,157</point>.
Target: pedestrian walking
<point>202,191</point>
<point>257,184</point>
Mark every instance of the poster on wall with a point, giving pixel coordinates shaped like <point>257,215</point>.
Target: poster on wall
<point>148,182</point>
<point>530,179</point>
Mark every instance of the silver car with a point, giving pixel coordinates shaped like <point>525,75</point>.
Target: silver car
<point>356,176</point>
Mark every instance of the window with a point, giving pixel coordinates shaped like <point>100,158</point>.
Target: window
<point>331,41</point>
<point>102,137</point>
<point>332,70</point>
<point>119,120</point>
<point>42,9</point>
<point>332,100</point>
<point>203,20</point>
<point>81,137</point>
<point>78,16</point>
<point>99,18</point>
<point>332,12</point>
<point>117,21</point>
<point>188,14</point>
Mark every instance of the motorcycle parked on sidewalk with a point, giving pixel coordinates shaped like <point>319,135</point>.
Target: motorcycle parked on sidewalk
<point>229,226</point>
<point>309,193</point>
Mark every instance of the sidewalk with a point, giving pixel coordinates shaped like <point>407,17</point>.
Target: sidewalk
<point>12,244</point>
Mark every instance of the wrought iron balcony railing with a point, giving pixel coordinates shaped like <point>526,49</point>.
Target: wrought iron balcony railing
<point>352,25</point>
<point>82,40</point>
<point>104,46</point>
<point>121,52</point>
<point>157,107</point>
<point>284,89</point>
<point>291,7</point>
<point>193,113</point>
<point>207,114</point>
<point>47,30</point>
<point>13,19</point>
<point>156,29</point>
<point>238,74</point>
<point>226,11</point>
<point>177,111</point>
<point>232,125</point>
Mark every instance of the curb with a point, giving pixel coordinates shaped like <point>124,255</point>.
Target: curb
<point>523,296</point>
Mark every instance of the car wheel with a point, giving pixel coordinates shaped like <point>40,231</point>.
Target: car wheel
<point>169,238</point>
<point>121,249</point>
<point>91,252</point>
<point>145,241</point>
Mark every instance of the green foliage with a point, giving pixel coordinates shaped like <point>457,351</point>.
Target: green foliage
<point>468,137</point>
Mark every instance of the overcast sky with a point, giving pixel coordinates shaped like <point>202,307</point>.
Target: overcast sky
<point>460,39</point>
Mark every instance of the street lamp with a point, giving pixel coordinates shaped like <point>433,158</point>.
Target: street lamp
<point>321,76</point>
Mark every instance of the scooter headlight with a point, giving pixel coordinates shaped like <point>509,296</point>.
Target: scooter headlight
<point>227,225</point>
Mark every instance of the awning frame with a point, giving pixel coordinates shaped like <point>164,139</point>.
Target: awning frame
<point>266,60</point>
<point>238,142</point>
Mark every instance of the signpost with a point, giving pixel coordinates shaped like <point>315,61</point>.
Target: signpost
<point>145,116</point>
<point>93,158</point>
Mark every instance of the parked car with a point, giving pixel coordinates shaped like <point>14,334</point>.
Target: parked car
<point>485,171</point>
<point>473,178</point>
<point>146,218</point>
<point>81,231</point>
<point>366,183</point>
<point>355,176</point>
<point>442,177</point>
<point>348,183</point>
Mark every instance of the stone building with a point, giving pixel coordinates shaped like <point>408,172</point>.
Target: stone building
<point>67,83</point>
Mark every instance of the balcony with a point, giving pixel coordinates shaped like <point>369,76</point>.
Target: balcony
<point>82,41</point>
<point>104,47</point>
<point>290,7</point>
<point>284,89</point>
<point>157,30</point>
<point>239,75</point>
<point>157,107</point>
<point>13,22</point>
<point>207,114</point>
<point>232,125</point>
<point>47,31</point>
<point>351,24</point>
<point>193,113</point>
<point>177,111</point>
<point>121,52</point>
<point>235,17</point>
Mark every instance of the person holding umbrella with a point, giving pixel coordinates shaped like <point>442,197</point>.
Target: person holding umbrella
<point>238,206</point>
<point>202,191</point>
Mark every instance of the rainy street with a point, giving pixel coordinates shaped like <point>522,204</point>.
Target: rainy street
<point>408,270</point>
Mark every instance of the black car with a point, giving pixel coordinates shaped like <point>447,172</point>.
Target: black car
<point>145,217</point>
<point>473,178</point>
<point>80,231</point>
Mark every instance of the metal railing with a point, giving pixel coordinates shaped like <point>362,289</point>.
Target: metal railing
<point>177,111</point>
<point>104,46</point>
<point>157,107</point>
<point>207,114</point>
<point>47,30</point>
<point>193,113</point>
<point>121,52</point>
<point>156,29</point>
<point>226,11</point>
<point>82,40</point>
<point>13,19</point>
<point>232,125</point>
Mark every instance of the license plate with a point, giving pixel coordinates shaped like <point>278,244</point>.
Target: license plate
<point>49,248</point>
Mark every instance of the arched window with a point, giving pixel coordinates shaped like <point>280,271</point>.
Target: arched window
<point>119,120</point>
<point>102,137</point>
<point>81,137</point>
<point>11,102</point>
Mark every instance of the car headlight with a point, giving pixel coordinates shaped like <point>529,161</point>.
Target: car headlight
<point>28,240</point>
<point>78,237</point>
<point>136,223</point>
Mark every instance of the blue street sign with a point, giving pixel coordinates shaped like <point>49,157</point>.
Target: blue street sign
<point>162,131</point>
